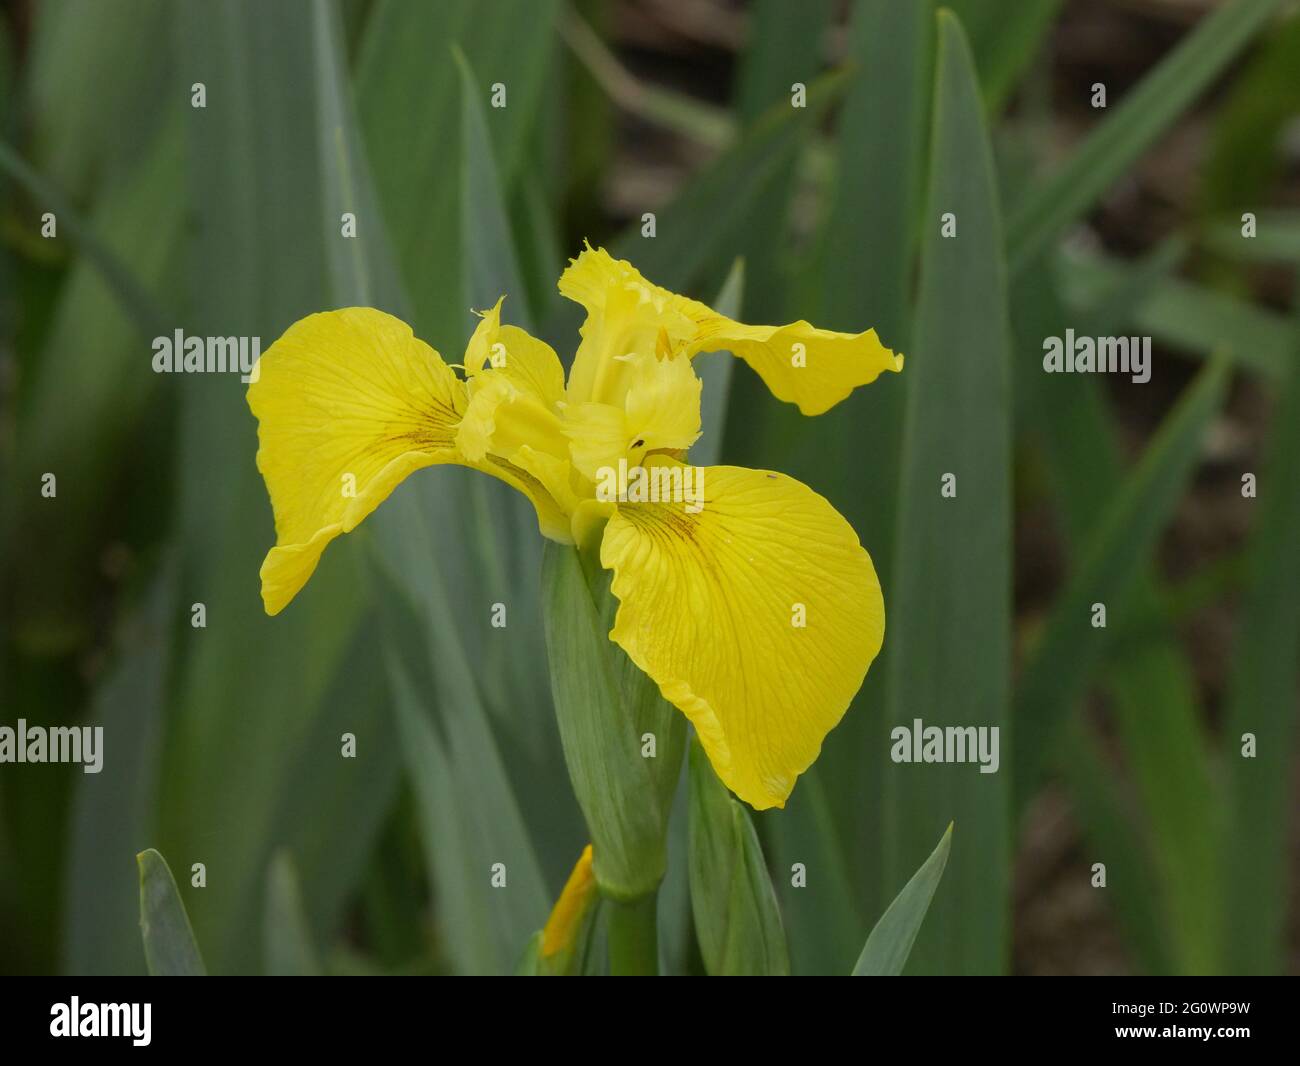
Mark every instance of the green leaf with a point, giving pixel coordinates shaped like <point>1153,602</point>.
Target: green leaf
<point>1261,702</point>
<point>874,204</point>
<point>362,271</point>
<point>1163,891</point>
<point>736,915</point>
<point>286,936</point>
<point>169,948</point>
<point>471,827</point>
<point>1115,826</point>
<point>890,943</point>
<point>1247,152</point>
<point>949,607</point>
<point>492,267</point>
<point>113,810</point>
<point>119,287</point>
<point>880,145</point>
<point>1191,317</point>
<point>405,57</point>
<point>704,224</point>
<point>785,49</point>
<point>132,295</point>
<point>1121,138</point>
<point>468,809</point>
<point>876,201</point>
<point>107,51</point>
<point>258,258</point>
<point>1061,662</point>
<point>822,925</point>
<point>530,964</point>
<point>1004,39</point>
<point>1277,237</point>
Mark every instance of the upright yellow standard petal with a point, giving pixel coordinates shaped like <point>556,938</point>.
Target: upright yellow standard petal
<point>348,404</point>
<point>626,316</point>
<point>757,616</point>
<point>800,364</point>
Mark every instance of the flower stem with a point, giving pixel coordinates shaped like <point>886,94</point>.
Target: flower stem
<point>633,936</point>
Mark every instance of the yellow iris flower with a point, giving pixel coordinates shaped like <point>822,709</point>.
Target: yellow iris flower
<point>755,609</point>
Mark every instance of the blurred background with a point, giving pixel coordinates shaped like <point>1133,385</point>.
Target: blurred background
<point>1173,211</point>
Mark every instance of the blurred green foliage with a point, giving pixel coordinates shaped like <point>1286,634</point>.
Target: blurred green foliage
<point>223,742</point>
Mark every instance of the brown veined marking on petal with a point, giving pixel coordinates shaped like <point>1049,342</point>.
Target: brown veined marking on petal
<point>437,427</point>
<point>520,473</point>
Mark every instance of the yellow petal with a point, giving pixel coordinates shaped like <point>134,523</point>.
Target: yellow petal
<point>662,403</point>
<point>660,412</point>
<point>710,605</point>
<point>530,364</point>
<point>626,315</point>
<point>348,404</point>
<point>565,923</point>
<point>598,436</point>
<point>800,364</point>
<point>511,428</point>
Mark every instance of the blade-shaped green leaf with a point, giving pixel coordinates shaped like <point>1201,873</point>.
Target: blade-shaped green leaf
<point>169,947</point>
<point>1262,703</point>
<point>875,205</point>
<point>1121,138</point>
<point>286,936</point>
<point>414,149</point>
<point>1163,892</point>
<point>703,225</point>
<point>106,51</point>
<point>124,275</point>
<point>123,282</point>
<point>489,888</point>
<point>1060,664</point>
<point>890,943</point>
<point>492,267</point>
<point>113,812</point>
<point>1190,317</point>
<point>785,50</point>
<point>950,606</point>
<point>257,260</point>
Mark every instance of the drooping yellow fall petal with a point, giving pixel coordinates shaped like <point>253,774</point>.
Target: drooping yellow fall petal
<point>564,926</point>
<point>348,404</point>
<point>757,617</point>
<point>800,364</point>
